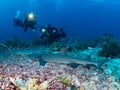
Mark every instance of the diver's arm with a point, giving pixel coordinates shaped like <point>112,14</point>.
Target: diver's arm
<point>18,22</point>
<point>62,32</point>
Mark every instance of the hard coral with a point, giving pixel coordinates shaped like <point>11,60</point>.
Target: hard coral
<point>56,46</point>
<point>112,68</point>
<point>32,84</point>
<point>64,79</point>
<point>110,46</point>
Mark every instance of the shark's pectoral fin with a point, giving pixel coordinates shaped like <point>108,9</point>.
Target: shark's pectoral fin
<point>42,62</point>
<point>74,65</point>
<point>91,66</point>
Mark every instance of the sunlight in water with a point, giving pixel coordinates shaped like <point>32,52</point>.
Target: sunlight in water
<point>107,1</point>
<point>58,4</point>
<point>34,3</point>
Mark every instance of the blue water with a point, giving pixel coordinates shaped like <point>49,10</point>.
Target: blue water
<point>84,18</point>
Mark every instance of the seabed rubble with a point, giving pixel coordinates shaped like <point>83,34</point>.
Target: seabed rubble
<point>22,73</point>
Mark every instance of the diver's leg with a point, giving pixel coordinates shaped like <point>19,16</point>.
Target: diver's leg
<point>25,29</point>
<point>33,28</point>
<point>18,22</point>
<point>63,33</point>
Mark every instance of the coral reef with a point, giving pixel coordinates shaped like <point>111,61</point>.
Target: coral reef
<point>26,74</point>
<point>112,67</point>
<point>36,42</point>
<point>17,43</point>
<point>64,79</point>
<point>56,46</point>
<point>110,46</point>
<point>22,72</point>
<point>90,54</point>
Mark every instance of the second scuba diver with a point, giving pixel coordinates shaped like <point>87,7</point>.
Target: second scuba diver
<point>29,21</point>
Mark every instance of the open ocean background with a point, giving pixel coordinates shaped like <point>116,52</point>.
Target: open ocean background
<point>84,18</point>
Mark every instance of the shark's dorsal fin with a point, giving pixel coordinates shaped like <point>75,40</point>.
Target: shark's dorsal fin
<point>63,50</point>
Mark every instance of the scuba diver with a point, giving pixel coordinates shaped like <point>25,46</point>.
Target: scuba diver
<point>17,21</point>
<point>29,22</point>
<point>50,33</point>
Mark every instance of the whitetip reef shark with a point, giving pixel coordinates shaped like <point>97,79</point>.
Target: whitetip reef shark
<point>61,58</point>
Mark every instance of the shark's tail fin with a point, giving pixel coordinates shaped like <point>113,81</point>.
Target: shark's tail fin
<point>99,66</point>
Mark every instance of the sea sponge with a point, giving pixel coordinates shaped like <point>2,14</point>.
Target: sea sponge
<point>13,81</point>
<point>32,84</point>
<point>23,88</point>
<point>1,76</point>
<point>64,79</point>
<point>44,85</point>
<point>81,88</point>
<point>75,81</point>
<point>92,85</point>
<point>18,82</point>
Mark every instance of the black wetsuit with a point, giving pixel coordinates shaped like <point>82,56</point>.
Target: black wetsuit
<point>52,34</point>
<point>29,24</point>
<point>18,22</point>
